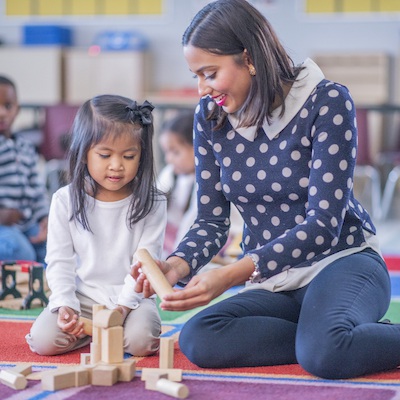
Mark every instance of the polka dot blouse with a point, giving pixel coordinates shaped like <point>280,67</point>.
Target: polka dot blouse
<point>294,190</point>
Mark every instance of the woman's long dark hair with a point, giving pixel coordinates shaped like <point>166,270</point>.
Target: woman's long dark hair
<point>110,116</point>
<point>230,27</point>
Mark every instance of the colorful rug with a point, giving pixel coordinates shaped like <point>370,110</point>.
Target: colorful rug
<point>287,382</point>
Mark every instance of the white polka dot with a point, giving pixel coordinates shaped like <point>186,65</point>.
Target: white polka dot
<point>348,135</point>
<point>273,160</point>
<point>285,207</point>
<point>293,196</point>
<point>276,187</point>
<point>250,161</point>
<point>191,244</point>
<point>202,151</point>
<point>323,110</point>
<point>296,253</point>
<point>343,165</point>
<point>305,141</point>
<point>328,177</point>
<point>283,145</point>
<point>322,137</point>
<point>240,148</point>
<point>349,105</point>
<point>254,221</point>
<point>275,221</point>
<point>217,211</point>
<point>278,248</point>
<point>317,164</point>
<point>324,204</point>
<point>272,265</point>
<point>295,155</point>
<point>205,174</point>
<point>301,235</point>
<point>319,240</point>
<point>338,119</point>
<point>227,189</point>
<point>333,93</point>
<point>263,148</point>
<point>304,113</point>
<point>261,209</point>
<point>268,198</point>
<point>202,232</point>
<point>339,194</point>
<point>350,240</point>
<point>266,235</point>
<point>250,189</point>
<point>299,219</point>
<point>227,161</point>
<point>261,175</point>
<point>204,199</point>
<point>303,182</point>
<point>312,190</point>
<point>236,176</point>
<point>286,172</point>
<point>333,149</point>
<point>334,222</point>
<point>231,135</point>
<point>243,199</point>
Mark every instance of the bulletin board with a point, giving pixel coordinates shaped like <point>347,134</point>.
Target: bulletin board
<point>64,8</point>
<point>351,6</point>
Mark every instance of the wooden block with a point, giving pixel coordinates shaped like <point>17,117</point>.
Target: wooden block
<point>95,353</point>
<point>58,379</point>
<point>112,345</point>
<point>13,379</point>
<point>152,378</point>
<point>23,369</point>
<point>174,389</point>
<point>126,370</point>
<point>107,319</point>
<point>87,325</point>
<point>82,377</point>
<point>153,273</point>
<point>85,358</point>
<point>174,374</point>
<point>167,352</point>
<point>104,375</point>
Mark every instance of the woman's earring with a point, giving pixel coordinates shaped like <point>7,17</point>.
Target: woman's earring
<point>252,70</point>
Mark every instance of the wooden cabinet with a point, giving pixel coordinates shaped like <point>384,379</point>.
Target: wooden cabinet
<point>36,71</point>
<point>105,72</point>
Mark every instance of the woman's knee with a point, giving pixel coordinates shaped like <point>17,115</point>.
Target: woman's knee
<point>198,342</point>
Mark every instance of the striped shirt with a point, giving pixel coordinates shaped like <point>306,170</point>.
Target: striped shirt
<point>20,186</point>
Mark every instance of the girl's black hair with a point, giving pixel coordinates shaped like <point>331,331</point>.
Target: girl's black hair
<point>7,81</point>
<point>109,116</point>
<point>230,27</point>
<point>181,125</point>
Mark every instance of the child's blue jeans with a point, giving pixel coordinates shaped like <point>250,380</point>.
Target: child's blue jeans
<point>15,245</point>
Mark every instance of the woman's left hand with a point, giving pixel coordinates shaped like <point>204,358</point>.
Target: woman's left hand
<point>200,290</point>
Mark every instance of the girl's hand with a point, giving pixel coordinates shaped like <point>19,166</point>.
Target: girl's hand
<point>42,234</point>
<point>173,273</point>
<point>68,321</point>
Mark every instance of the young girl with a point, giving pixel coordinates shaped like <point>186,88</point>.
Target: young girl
<point>110,209</point>
<point>177,177</point>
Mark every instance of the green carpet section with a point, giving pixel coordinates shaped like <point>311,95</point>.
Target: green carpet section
<point>393,313</point>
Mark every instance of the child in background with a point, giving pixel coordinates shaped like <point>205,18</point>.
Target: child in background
<point>110,209</point>
<point>23,199</point>
<point>178,179</point>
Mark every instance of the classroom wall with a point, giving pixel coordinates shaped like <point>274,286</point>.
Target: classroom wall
<point>302,34</point>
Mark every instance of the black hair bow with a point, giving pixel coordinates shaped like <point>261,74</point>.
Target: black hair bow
<point>143,112</point>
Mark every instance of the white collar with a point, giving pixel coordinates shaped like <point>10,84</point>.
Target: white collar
<point>308,78</point>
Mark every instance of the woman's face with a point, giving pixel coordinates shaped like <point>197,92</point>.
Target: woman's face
<point>220,77</point>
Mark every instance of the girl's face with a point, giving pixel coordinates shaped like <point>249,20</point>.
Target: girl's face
<point>178,153</point>
<point>113,164</point>
<point>8,108</point>
<point>220,77</point>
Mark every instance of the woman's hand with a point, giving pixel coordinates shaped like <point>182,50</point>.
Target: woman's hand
<point>198,292</point>
<point>68,321</point>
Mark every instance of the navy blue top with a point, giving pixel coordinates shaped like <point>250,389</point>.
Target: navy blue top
<point>294,189</point>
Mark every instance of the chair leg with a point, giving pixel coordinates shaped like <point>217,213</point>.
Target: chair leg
<point>389,190</point>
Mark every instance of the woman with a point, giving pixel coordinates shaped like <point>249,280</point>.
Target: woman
<point>279,142</point>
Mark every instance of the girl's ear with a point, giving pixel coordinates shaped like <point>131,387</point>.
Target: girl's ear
<point>246,58</point>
